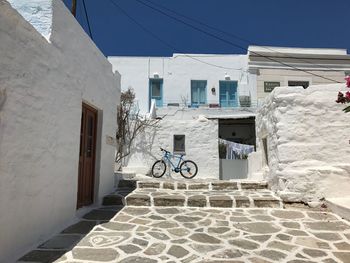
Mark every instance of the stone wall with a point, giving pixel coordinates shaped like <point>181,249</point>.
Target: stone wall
<point>42,86</point>
<point>307,142</point>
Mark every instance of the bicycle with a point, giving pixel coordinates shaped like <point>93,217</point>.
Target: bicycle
<point>187,168</point>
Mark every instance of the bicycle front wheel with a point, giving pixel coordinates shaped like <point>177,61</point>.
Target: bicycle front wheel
<point>188,169</point>
<point>158,169</point>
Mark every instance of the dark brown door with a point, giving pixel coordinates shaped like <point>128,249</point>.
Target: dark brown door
<point>87,154</point>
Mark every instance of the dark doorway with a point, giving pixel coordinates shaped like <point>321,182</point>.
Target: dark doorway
<point>238,130</point>
<point>86,177</point>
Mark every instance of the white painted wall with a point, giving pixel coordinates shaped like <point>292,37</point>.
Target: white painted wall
<point>177,73</point>
<point>308,142</point>
<point>45,85</point>
<point>201,145</point>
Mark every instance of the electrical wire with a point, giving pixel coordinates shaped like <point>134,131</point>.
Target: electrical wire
<point>166,43</point>
<point>87,20</point>
<point>231,34</point>
<point>231,43</point>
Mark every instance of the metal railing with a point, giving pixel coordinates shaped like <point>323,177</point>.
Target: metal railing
<point>231,104</point>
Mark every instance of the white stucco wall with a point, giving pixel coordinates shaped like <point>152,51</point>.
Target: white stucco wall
<point>201,145</point>
<point>45,85</point>
<point>308,142</point>
<point>177,73</point>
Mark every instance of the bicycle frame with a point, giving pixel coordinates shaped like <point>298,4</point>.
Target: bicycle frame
<point>167,158</point>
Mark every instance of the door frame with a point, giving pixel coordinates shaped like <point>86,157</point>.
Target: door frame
<point>205,92</point>
<point>93,169</point>
<point>236,101</point>
<point>161,81</point>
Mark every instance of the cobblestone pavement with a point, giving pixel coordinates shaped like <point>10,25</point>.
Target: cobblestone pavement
<point>172,234</point>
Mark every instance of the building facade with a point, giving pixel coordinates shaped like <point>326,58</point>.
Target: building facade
<point>227,89</point>
<point>189,80</point>
<point>199,97</point>
<point>58,100</point>
<point>283,66</point>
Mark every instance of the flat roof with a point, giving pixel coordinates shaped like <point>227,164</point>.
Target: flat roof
<point>296,50</point>
<point>182,55</point>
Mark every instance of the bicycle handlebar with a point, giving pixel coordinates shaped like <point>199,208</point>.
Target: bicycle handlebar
<point>163,150</point>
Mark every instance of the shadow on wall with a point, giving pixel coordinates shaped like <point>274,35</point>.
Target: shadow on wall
<point>143,147</point>
<point>3,97</point>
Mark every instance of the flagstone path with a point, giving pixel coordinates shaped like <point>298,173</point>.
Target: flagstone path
<point>174,234</point>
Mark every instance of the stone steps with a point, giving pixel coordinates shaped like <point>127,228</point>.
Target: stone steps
<point>210,198</point>
<point>124,187</point>
<point>193,193</point>
<point>215,185</point>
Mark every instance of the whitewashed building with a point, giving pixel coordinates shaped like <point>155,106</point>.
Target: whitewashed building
<point>191,80</point>
<point>199,96</point>
<point>58,99</point>
<point>208,96</point>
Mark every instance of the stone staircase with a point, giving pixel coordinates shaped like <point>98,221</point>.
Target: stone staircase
<point>124,188</point>
<point>218,194</point>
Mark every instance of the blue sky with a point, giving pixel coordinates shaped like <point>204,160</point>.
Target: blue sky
<point>294,23</point>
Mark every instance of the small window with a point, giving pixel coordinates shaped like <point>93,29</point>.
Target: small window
<point>270,85</point>
<point>304,84</point>
<point>179,144</point>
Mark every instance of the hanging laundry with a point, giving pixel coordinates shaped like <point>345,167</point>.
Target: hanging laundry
<point>236,150</point>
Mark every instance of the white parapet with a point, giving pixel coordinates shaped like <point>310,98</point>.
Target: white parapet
<point>37,12</point>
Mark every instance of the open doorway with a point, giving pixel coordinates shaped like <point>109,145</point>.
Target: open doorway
<point>238,130</point>
<point>237,138</point>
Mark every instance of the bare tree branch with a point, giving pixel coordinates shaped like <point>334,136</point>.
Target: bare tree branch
<point>130,124</point>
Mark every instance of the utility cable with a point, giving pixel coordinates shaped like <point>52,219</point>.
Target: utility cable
<point>166,43</point>
<point>87,20</point>
<point>229,42</point>
<point>231,34</point>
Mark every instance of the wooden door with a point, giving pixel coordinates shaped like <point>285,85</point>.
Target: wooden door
<point>87,153</point>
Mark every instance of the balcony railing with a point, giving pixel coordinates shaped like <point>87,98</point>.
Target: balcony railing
<point>228,104</point>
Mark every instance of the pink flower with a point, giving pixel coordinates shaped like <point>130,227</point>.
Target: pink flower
<point>347,78</point>
<point>347,95</point>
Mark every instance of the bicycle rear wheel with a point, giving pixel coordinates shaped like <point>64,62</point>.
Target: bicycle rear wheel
<point>158,169</point>
<point>188,169</point>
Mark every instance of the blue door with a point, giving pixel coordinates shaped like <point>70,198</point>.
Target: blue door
<point>198,92</point>
<point>228,94</point>
<point>156,91</point>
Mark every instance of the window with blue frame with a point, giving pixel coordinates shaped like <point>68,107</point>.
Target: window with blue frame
<point>228,94</point>
<point>198,92</point>
<point>156,91</point>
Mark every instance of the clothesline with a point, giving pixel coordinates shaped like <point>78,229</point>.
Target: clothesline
<point>236,150</point>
